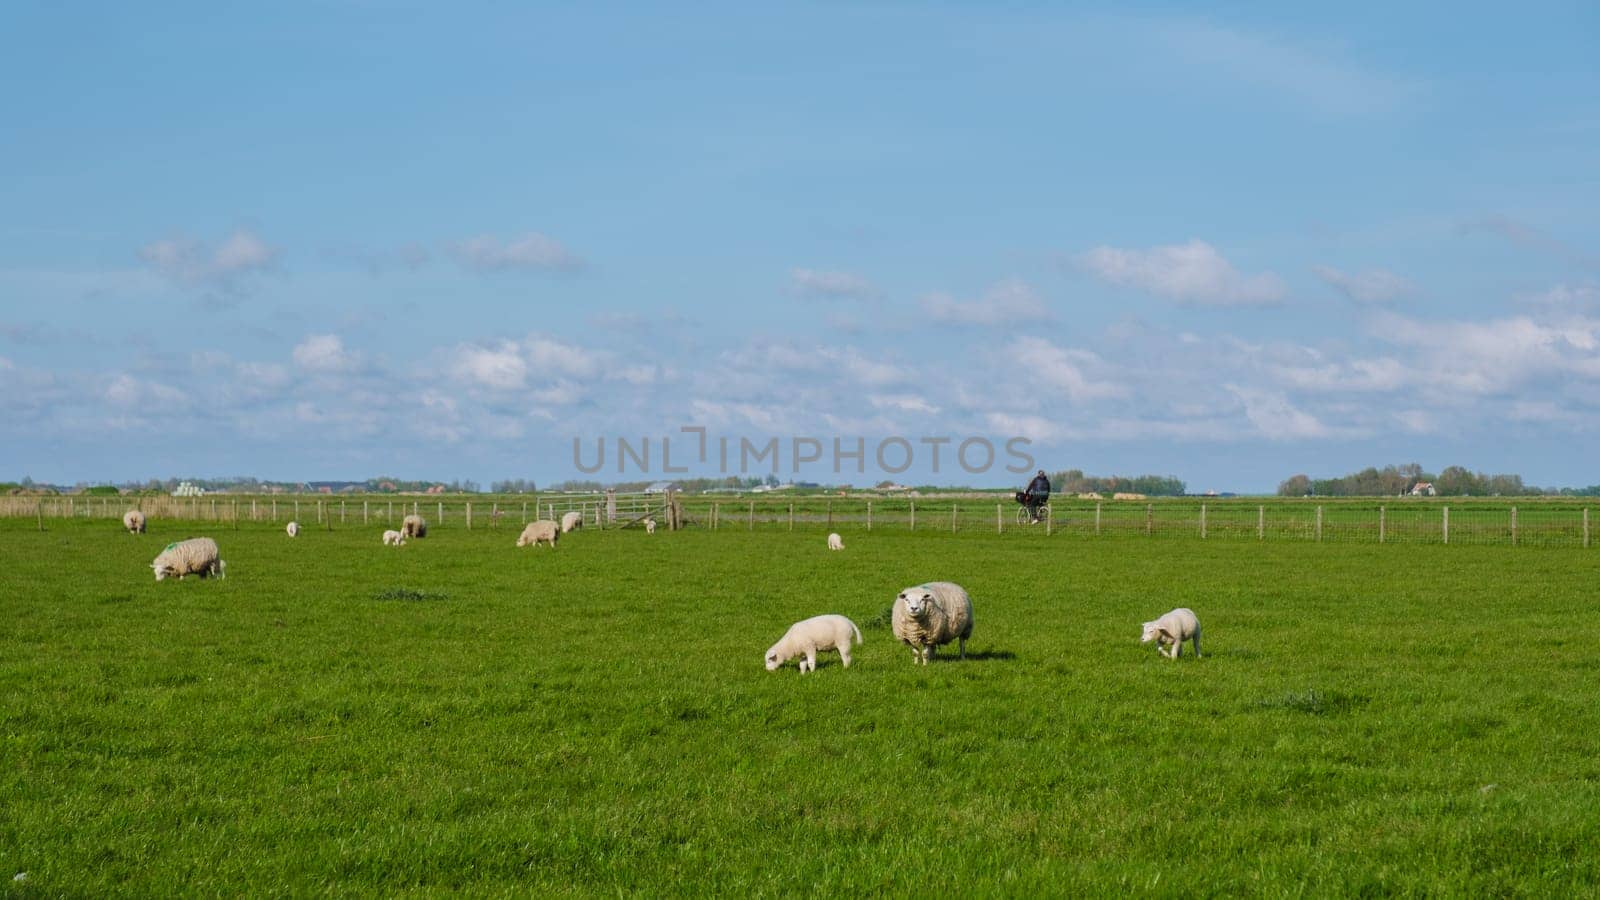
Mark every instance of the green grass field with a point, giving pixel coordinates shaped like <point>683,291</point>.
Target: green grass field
<point>460,715</point>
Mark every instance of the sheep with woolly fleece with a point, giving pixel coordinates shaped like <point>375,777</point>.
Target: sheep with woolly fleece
<point>539,532</point>
<point>133,520</point>
<point>394,538</point>
<point>1171,630</point>
<point>571,520</point>
<point>930,615</point>
<point>292,529</point>
<point>808,636</point>
<point>414,526</point>
<point>649,526</point>
<point>196,556</point>
<point>835,542</point>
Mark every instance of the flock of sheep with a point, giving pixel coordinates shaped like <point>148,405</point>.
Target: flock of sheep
<point>924,617</point>
<point>928,616</point>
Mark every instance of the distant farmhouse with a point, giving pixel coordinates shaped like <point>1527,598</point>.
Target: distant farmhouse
<point>1422,489</point>
<point>187,489</point>
<point>661,487</point>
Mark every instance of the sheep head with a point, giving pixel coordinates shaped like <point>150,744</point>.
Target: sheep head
<point>919,601</point>
<point>773,661</point>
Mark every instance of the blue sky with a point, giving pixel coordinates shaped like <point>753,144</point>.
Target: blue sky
<point>335,239</point>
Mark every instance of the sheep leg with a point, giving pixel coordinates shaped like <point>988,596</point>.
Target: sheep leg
<point>1196,641</point>
<point>963,648</point>
<point>811,661</point>
<point>844,653</point>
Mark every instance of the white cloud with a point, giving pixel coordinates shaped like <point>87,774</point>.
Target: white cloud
<point>1193,273</point>
<point>1007,302</point>
<point>533,251</point>
<point>1371,286</point>
<point>1062,369</point>
<point>831,285</point>
<point>500,366</point>
<point>1275,417</point>
<point>322,353</point>
<point>902,402</point>
<point>552,357</point>
<point>196,263</point>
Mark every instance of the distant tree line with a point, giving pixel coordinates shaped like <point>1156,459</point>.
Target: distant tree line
<point>1389,481</point>
<point>1073,481</point>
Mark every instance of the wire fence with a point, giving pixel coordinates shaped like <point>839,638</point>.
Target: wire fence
<point>1473,522</point>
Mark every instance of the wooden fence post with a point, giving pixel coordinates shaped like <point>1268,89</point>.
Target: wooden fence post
<point>869,515</point>
<point>1149,519</point>
<point>752,516</point>
<point>235,515</point>
<point>297,510</point>
<point>791,516</point>
<point>363,512</point>
<point>441,512</point>
<point>341,512</point>
<point>274,509</point>
<point>1049,521</point>
<point>1513,526</point>
<point>952,518</point>
<point>1383,523</point>
<point>1319,522</point>
<point>1447,524</point>
<point>38,511</point>
<point>830,515</point>
<point>1586,526</point>
<point>913,515</point>
<point>1097,506</point>
<point>1261,523</point>
<point>999,526</point>
<point>1202,521</point>
<point>469,515</point>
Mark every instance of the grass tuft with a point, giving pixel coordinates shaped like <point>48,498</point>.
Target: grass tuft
<point>1313,702</point>
<point>408,595</point>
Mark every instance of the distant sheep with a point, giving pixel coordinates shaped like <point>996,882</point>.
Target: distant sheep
<point>571,521</point>
<point>133,520</point>
<point>835,542</point>
<point>196,556</point>
<point>394,538</point>
<point>930,615</point>
<point>414,527</point>
<point>1172,630</point>
<point>292,529</point>
<point>543,531</point>
<point>649,526</point>
<point>808,636</point>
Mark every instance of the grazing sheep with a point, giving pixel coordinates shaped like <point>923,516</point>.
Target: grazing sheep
<point>835,542</point>
<point>196,556</point>
<point>649,526</point>
<point>395,538</point>
<point>292,529</point>
<point>543,531</point>
<point>932,614</point>
<point>1172,630</point>
<point>414,527</point>
<point>571,521</point>
<point>806,637</point>
<point>133,520</point>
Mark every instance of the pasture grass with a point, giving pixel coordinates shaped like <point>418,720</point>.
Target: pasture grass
<point>459,715</point>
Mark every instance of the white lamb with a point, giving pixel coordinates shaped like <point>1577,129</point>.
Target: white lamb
<point>649,526</point>
<point>196,556</point>
<point>292,529</point>
<point>808,636</point>
<point>542,531</point>
<point>571,521</point>
<point>1172,630</point>
<point>394,538</point>
<point>835,542</point>
<point>930,615</point>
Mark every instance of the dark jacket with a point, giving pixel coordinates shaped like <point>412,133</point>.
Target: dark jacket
<point>1039,487</point>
